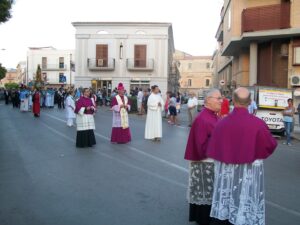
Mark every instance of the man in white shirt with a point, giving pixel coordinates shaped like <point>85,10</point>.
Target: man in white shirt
<point>192,107</point>
<point>252,108</point>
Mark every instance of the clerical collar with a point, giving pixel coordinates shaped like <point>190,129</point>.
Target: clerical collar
<point>210,110</point>
<point>240,110</point>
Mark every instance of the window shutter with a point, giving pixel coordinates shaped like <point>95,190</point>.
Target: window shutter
<point>140,55</point>
<point>102,55</point>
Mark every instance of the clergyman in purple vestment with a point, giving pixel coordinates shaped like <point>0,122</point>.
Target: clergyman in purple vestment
<point>120,106</point>
<point>238,145</point>
<point>201,173</point>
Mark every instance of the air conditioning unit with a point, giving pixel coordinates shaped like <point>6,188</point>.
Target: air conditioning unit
<point>295,80</point>
<point>100,62</point>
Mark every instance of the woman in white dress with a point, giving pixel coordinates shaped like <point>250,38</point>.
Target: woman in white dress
<point>70,107</point>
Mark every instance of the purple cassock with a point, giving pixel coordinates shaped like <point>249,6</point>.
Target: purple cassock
<point>201,169</point>
<point>241,138</point>
<point>238,145</point>
<point>118,134</point>
<point>200,134</point>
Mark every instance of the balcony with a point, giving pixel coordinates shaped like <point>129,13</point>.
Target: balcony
<point>140,65</point>
<point>101,64</point>
<point>54,67</point>
<point>269,17</point>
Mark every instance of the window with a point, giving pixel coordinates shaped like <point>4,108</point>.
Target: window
<point>61,62</point>
<point>189,82</point>
<point>44,62</point>
<point>140,55</point>
<point>44,77</point>
<point>296,55</point>
<point>101,55</point>
<point>62,78</point>
<point>207,81</point>
<point>190,65</point>
<point>229,19</point>
<point>207,65</point>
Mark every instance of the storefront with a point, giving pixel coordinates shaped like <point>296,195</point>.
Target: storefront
<point>102,84</point>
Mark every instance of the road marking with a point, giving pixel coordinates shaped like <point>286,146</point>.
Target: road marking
<point>145,171</point>
<point>120,161</point>
<point>270,203</point>
<point>291,211</point>
<point>58,132</point>
<point>135,150</point>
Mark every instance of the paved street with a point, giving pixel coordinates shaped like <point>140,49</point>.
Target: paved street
<point>45,180</point>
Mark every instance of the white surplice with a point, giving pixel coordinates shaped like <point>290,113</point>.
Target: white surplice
<point>153,127</point>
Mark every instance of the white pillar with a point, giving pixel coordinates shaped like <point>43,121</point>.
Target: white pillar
<point>253,64</point>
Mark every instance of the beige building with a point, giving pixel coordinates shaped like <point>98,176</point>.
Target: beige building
<point>10,77</point>
<point>259,43</point>
<point>195,72</point>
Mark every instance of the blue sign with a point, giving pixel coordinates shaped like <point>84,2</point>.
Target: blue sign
<point>62,78</point>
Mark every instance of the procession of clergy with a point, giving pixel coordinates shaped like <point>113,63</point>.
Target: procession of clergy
<point>226,175</point>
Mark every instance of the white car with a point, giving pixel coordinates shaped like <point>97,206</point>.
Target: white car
<point>200,103</point>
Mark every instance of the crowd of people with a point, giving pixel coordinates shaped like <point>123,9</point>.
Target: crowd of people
<point>225,148</point>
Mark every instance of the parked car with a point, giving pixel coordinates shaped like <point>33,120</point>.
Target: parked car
<point>200,103</point>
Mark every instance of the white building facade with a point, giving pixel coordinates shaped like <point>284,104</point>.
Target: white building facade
<point>55,65</point>
<point>136,54</point>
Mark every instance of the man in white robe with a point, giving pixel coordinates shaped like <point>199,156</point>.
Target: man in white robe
<point>70,107</point>
<point>153,129</point>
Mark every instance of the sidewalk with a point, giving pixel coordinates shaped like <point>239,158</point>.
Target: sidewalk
<point>296,133</point>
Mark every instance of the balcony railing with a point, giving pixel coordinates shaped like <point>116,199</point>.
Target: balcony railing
<point>269,17</point>
<point>49,67</point>
<point>101,64</point>
<point>140,65</point>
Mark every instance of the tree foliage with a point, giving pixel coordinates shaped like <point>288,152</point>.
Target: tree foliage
<point>11,86</point>
<point>2,70</point>
<point>5,7</point>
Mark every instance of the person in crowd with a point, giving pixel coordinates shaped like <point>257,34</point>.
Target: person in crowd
<point>120,106</point>
<point>153,128</point>
<point>201,173</point>
<point>178,102</point>
<point>144,101</point>
<point>166,105</point>
<point>140,101</point>
<point>172,110</point>
<point>252,107</point>
<point>85,121</point>
<point>6,96</point>
<point>70,108</point>
<point>288,119</point>
<point>225,108</point>
<point>36,108</point>
<point>239,144</point>
<point>60,98</point>
<point>192,107</point>
<point>24,99</point>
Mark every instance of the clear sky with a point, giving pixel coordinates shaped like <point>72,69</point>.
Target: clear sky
<point>37,23</point>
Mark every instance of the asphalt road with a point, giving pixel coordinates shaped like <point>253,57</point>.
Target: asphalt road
<point>45,180</point>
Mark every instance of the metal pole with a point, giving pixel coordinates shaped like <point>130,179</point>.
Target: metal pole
<point>70,69</point>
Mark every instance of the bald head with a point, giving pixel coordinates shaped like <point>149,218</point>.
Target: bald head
<point>241,97</point>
